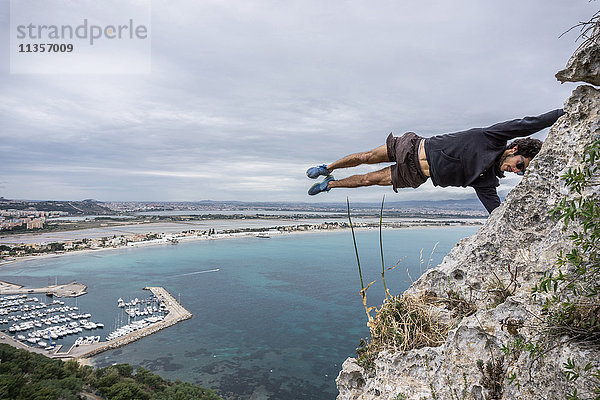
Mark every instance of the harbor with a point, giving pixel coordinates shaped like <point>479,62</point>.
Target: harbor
<point>39,324</point>
<point>176,313</point>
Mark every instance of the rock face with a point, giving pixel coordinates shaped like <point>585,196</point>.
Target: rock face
<point>584,66</point>
<point>518,236</point>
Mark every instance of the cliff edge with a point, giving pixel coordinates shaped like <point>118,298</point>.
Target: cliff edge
<point>512,251</point>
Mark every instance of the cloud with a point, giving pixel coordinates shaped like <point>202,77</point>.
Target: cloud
<point>244,96</point>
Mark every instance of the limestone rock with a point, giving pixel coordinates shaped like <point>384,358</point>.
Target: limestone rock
<point>584,65</point>
<point>518,236</point>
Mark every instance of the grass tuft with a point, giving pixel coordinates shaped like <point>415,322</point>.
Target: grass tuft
<point>402,323</point>
<point>406,322</point>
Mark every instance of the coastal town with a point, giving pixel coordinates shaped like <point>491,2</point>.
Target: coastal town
<point>29,229</point>
<point>19,220</point>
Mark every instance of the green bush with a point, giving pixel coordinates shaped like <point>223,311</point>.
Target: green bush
<point>184,390</point>
<point>573,305</point>
<point>572,293</point>
<point>31,376</point>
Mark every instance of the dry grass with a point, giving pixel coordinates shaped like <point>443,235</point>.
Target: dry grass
<point>404,322</point>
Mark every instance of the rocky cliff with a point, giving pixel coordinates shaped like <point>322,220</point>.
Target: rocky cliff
<point>516,246</point>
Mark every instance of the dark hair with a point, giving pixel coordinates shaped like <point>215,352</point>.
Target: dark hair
<point>526,147</point>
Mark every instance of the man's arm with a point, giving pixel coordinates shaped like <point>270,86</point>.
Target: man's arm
<point>489,197</point>
<point>524,126</point>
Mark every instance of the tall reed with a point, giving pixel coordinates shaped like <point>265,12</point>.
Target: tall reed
<point>362,285</point>
<point>402,322</point>
<point>381,247</point>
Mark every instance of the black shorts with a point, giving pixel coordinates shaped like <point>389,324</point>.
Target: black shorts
<point>404,150</point>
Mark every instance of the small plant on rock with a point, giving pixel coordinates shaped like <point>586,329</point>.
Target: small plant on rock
<point>572,306</point>
<point>492,376</point>
<point>458,304</point>
<point>499,291</point>
<point>572,294</point>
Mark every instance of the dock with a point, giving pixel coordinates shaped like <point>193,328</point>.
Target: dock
<point>177,313</point>
<point>72,289</point>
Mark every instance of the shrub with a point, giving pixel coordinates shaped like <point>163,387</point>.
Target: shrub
<point>572,303</point>
<point>404,322</point>
<point>572,306</point>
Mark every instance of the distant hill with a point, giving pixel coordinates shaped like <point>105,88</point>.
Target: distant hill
<point>85,207</point>
<point>466,204</point>
<point>94,207</point>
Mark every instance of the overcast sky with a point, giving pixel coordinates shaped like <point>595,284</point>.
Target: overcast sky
<point>244,96</point>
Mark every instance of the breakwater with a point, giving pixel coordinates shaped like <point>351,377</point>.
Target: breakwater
<point>177,313</point>
<point>72,289</point>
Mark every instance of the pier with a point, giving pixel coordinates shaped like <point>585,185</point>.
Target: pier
<point>176,314</point>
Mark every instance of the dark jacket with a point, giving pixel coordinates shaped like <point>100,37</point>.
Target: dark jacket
<point>470,158</point>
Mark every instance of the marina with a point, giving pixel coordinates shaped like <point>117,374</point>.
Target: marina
<point>36,325</point>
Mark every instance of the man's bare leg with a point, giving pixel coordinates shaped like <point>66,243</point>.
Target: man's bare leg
<point>383,177</point>
<point>374,156</point>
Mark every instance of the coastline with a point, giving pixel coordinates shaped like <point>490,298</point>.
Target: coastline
<point>234,235</point>
<point>150,348</point>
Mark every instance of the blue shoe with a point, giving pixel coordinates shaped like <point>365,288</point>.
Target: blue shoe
<point>321,187</point>
<point>315,172</point>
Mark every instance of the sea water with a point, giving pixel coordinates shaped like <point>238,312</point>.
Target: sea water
<point>274,322</point>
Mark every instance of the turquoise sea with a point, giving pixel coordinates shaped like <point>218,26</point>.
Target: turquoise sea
<point>275,322</point>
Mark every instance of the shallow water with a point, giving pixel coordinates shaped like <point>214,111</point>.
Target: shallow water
<point>275,322</point>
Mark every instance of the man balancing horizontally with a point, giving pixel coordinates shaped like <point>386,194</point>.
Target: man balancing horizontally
<point>476,157</point>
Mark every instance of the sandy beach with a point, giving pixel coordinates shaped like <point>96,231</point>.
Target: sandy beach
<point>167,229</point>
